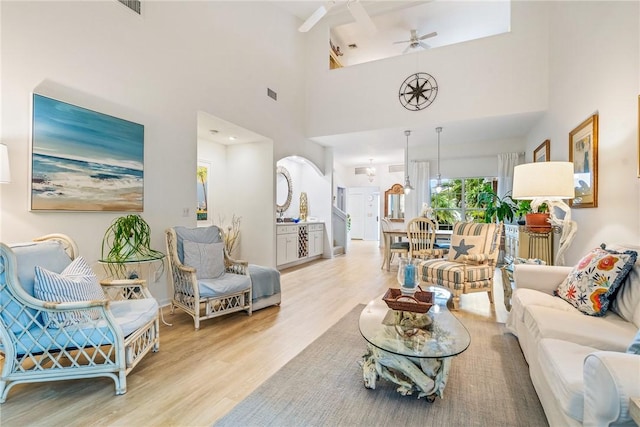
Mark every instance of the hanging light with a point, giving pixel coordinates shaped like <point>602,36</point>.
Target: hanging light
<point>407,183</point>
<point>438,176</point>
<point>371,171</point>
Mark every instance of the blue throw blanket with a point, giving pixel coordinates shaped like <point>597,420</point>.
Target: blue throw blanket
<point>265,281</point>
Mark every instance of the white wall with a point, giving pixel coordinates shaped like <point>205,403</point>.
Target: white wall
<point>500,75</point>
<point>158,69</point>
<point>594,67</point>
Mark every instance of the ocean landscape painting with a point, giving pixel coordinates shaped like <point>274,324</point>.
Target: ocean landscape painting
<point>83,160</point>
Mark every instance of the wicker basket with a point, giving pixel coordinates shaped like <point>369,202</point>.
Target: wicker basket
<point>420,302</point>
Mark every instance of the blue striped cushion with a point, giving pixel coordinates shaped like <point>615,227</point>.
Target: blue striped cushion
<point>77,282</point>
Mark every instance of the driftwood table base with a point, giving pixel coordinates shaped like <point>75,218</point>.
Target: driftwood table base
<point>428,377</point>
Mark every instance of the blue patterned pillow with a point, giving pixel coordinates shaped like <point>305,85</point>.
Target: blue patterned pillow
<point>634,347</point>
<point>77,282</point>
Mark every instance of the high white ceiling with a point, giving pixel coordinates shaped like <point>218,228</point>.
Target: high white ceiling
<point>394,20</point>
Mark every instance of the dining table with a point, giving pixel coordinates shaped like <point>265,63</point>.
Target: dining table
<point>391,235</point>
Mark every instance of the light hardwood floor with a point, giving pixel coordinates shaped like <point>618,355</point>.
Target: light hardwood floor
<point>198,376</point>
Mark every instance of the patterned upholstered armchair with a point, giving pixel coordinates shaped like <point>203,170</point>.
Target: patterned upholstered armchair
<point>56,323</point>
<point>206,282</point>
<point>471,262</point>
<point>421,233</point>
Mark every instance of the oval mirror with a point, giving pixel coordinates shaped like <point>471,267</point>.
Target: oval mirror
<point>284,189</point>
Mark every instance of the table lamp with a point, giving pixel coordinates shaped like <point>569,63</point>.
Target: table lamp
<point>550,183</point>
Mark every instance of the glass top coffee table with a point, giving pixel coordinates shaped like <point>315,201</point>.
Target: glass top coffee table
<point>412,350</point>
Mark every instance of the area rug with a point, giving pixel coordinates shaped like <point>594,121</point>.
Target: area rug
<point>488,385</point>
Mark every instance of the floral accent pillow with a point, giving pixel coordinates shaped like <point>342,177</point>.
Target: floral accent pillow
<point>594,280</point>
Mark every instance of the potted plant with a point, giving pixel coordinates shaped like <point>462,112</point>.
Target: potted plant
<point>128,239</point>
<point>497,209</point>
<point>537,221</point>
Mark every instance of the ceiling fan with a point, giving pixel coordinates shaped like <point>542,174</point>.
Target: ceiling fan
<point>355,7</point>
<point>416,40</point>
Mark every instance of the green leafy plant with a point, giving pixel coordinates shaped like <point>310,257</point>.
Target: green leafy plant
<point>498,209</point>
<point>524,207</point>
<point>128,239</point>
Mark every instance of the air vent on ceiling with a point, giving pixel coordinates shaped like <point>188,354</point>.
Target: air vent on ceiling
<point>396,168</point>
<point>361,171</point>
<point>272,94</point>
<point>134,5</point>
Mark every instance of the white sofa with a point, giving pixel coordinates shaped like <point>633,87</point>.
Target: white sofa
<point>578,364</point>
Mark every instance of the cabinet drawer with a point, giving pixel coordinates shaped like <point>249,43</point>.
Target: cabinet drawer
<point>316,227</point>
<point>286,229</point>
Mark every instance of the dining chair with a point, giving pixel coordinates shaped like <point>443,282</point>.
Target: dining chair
<point>400,248</point>
<point>421,234</point>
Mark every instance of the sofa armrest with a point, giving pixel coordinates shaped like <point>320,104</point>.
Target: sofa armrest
<point>543,278</point>
<point>610,380</point>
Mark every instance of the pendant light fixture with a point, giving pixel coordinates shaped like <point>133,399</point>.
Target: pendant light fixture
<point>407,183</point>
<point>438,176</point>
<point>371,171</point>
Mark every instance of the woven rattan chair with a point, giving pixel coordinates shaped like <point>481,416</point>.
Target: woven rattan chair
<point>421,233</point>
<point>50,341</point>
<point>200,296</point>
<point>471,262</point>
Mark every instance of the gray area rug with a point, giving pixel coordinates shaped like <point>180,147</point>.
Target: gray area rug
<point>488,385</point>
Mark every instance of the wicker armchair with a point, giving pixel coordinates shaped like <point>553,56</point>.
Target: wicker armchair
<point>471,262</point>
<point>50,341</point>
<point>202,295</point>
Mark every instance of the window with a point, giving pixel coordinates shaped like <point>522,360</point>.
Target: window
<point>458,200</point>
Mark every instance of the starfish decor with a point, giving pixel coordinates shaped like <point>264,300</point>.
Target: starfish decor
<point>462,249</point>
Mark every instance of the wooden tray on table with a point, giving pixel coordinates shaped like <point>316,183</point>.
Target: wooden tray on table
<point>420,302</point>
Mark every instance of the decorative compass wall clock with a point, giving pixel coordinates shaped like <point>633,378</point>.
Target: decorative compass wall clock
<point>418,91</point>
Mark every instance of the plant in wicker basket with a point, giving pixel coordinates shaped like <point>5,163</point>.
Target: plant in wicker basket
<point>127,240</point>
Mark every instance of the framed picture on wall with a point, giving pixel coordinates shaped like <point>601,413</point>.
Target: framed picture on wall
<point>542,153</point>
<point>83,160</point>
<point>583,153</point>
<point>202,191</point>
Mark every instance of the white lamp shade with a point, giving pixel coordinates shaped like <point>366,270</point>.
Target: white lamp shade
<point>551,180</point>
<point>5,172</point>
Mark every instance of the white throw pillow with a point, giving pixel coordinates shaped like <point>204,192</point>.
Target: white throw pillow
<point>77,282</point>
<point>206,258</point>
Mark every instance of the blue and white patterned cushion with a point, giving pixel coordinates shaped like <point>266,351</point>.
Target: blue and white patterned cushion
<point>77,282</point>
<point>634,347</point>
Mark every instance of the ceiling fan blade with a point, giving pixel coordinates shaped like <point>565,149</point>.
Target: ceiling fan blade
<point>316,17</point>
<point>361,16</point>
<point>407,49</point>
<point>426,36</point>
<point>424,45</point>
<point>402,41</point>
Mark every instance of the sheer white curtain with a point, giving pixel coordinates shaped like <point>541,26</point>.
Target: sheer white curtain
<point>506,163</point>
<point>419,176</point>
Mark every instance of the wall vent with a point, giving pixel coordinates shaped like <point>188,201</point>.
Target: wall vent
<point>361,171</point>
<point>396,168</point>
<point>272,94</point>
<point>134,5</point>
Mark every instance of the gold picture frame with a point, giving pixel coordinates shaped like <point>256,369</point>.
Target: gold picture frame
<point>543,152</point>
<point>583,153</point>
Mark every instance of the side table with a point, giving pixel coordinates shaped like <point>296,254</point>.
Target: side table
<point>124,289</point>
<point>634,409</point>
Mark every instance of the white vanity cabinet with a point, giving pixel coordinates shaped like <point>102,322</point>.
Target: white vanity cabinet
<point>316,239</point>
<point>298,243</point>
<point>286,244</point>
